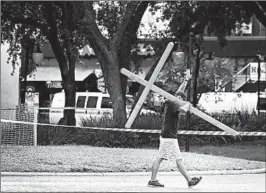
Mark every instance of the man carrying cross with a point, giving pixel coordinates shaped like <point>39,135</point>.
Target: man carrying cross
<point>175,105</point>
<point>169,148</point>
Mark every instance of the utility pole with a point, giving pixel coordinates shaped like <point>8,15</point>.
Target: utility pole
<point>259,70</point>
<point>26,67</point>
<point>188,115</point>
<point>27,45</point>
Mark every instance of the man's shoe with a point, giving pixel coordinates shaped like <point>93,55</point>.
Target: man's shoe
<point>194,181</point>
<point>155,183</point>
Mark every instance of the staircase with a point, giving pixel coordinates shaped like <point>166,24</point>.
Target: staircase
<point>241,81</point>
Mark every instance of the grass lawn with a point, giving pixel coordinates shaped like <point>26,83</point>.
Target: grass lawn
<point>101,159</point>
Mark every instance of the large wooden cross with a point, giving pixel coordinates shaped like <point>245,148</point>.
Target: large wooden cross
<point>149,86</point>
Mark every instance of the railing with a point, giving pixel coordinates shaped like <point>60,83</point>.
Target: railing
<point>238,79</point>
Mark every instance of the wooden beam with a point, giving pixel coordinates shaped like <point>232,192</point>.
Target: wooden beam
<point>180,102</point>
<point>145,92</point>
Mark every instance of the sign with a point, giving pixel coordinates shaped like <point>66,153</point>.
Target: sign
<point>254,71</point>
<point>54,84</point>
<point>246,28</point>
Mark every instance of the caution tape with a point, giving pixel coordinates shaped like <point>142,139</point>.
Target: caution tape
<point>180,132</point>
<point>187,132</point>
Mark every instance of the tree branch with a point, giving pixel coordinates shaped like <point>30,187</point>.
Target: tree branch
<point>135,21</point>
<point>258,8</point>
<point>90,21</point>
<point>131,7</point>
<point>130,34</point>
<point>54,39</point>
<point>261,15</point>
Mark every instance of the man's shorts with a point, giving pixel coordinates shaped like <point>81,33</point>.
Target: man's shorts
<point>169,149</point>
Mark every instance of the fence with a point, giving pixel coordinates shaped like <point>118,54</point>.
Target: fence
<point>16,134</point>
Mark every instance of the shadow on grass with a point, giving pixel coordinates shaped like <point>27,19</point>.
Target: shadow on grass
<point>243,150</point>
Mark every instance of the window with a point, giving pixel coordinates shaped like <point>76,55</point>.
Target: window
<point>106,103</point>
<point>81,101</point>
<point>262,105</point>
<point>92,102</point>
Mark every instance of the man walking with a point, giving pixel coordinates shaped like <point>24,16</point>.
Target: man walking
<point>169,148</point>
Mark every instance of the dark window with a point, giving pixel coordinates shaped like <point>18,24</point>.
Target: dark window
<point>262,105</point>
<point>92,102</point>
<point>81,101</point>
<point>106,103</point>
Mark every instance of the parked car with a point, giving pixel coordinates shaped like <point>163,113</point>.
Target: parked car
<point>89,105</point>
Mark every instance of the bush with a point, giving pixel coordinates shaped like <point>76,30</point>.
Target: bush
<point>118,138</point>
<point>240,122</point>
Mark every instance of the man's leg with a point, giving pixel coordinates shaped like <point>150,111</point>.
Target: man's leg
<point>191,181</point>
<point>155,168</point>
<point>182,169</point>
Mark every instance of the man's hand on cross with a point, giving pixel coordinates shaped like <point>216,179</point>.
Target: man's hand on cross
<point>188,75</point>
<point>182,87</point>
<point>185,107</point>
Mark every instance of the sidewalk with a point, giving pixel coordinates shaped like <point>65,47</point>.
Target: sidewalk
<point>132,183</point>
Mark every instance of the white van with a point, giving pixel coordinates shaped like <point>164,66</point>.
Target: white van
<point>88,105</point>
<point>229,102</point>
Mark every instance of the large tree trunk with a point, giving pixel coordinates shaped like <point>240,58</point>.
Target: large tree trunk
<point>113,81</point>
<point>109,53</point>
<point>64,55</point>
<point>70,97</point>
<point>112,78</point>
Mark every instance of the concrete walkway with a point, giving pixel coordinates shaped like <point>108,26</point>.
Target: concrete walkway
<point>131,182</point>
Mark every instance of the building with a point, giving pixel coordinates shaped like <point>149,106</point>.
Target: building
<point>9,97</point>
<point>46,80</point>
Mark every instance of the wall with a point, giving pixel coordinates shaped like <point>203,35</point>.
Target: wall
<point>9,83</point>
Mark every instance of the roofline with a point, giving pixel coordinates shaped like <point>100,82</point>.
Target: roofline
<point>207,38</point>
<point>237,38</point>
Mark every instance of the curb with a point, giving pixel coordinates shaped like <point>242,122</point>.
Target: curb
<point>215,172</point>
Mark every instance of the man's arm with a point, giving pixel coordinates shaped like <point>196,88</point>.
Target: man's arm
<point>183,86</point>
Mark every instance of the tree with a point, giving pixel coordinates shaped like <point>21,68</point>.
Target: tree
<point>58,22</point>
<point>121,21</point>
<point>70,25</point>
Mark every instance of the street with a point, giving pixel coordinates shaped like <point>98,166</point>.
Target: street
<point>131,183</point>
